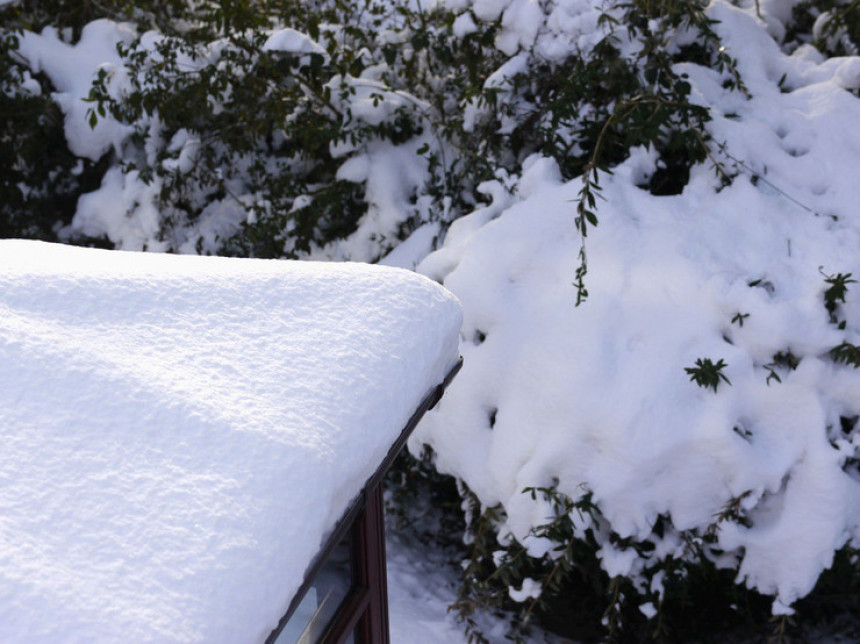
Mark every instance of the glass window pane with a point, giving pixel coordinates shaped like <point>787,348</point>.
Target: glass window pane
<point>328,590</point>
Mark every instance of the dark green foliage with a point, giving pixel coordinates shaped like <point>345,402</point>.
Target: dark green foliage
<point>40,180</point>
<point>698,601</point>
<point>707,373</point>
<point>477,592</point>
<point>493,568</point>
<point>837,289</point>
<point>263,125</point>
<point>421,501</point>
<point>840,34</point>
<point>588,111</point>
<point>836,595</point>
<point>267,122</point>
<point>739,318</point>
<point>782,360</point>
<point>835,294</point>
<point>846,353</point>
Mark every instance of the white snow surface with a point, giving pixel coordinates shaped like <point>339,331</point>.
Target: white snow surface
<point>294,42</point>
<point>181,433</point>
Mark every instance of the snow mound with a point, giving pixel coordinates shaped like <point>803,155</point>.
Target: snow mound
<point>294,42</point>
<point>181,433</point>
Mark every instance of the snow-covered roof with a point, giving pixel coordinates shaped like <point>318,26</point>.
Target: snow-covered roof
<point>180,433</point>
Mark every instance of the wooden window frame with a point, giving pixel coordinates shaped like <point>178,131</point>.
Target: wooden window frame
<point>363,613</point>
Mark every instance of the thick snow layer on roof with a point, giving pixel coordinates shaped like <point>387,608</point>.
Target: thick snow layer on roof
<point>180,433</point>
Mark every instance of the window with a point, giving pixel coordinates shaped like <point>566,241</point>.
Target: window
<point>324,597</point>
<point>345,599</point>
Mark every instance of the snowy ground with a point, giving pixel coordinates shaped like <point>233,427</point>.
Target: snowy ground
<point>422,584</point>
<point>423,579</point>
<point>419,593</point>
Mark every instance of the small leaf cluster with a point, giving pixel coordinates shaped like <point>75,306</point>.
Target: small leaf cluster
<point>785,360</point>
<point>708,374</point>
<point>847,354</point>
<point>739,318</point>
<point>834,294</point>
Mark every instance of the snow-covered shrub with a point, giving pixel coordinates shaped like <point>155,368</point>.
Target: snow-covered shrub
<point>283,128</point>
<point>832,26</point>
<point>264,128</point>
<point>331,128</point>
<point>243,129</point>
<point>689,431</point>
<point>586,82</point>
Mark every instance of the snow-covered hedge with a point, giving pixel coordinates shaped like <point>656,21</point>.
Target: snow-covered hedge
<point>660,389</point>
<point>700,409</point>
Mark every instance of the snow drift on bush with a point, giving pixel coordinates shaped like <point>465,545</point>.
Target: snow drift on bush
<point>596,399</point>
